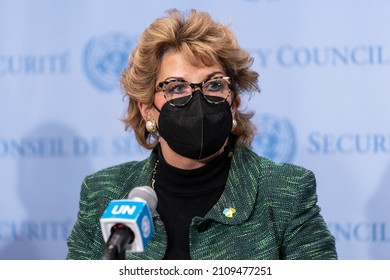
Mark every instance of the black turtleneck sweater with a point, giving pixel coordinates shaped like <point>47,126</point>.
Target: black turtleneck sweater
<point>184,194</point>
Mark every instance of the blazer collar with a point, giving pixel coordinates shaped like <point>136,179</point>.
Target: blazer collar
<point>240,192</point>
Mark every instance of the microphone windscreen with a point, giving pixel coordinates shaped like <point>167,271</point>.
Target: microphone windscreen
<point>147,194</point>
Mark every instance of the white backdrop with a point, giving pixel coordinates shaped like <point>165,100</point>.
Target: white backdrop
<point>324,73</point>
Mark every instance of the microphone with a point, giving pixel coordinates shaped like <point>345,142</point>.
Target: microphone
<point>127,224</point>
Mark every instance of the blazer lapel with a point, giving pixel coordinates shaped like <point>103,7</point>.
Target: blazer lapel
<point>237,201</point>
<point>157,245</point>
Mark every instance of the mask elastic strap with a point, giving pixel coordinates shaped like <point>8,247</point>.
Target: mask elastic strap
<point>233,100</point>
<point>154,105</point>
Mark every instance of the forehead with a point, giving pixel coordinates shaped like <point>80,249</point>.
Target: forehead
<point>175,64</point>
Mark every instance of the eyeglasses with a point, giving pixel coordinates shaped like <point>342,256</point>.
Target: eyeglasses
<point>179,92</point>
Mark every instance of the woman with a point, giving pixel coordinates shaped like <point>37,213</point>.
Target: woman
<point>216,198</point>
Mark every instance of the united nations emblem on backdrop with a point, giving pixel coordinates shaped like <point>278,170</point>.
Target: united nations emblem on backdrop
<point>275,138</point>
<point>105,58</point>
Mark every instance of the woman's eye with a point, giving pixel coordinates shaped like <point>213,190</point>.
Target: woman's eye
<point>214,86</point>
<point>177,88</point>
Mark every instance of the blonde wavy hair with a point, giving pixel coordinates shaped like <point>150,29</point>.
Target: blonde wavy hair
<point>200,39</point>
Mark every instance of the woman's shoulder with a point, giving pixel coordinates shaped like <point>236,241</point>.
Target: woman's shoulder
<point>115,172</point>
<point>276,176</point>
<point>268,167</point>
<point>116,181</point>
<point>282,185</point>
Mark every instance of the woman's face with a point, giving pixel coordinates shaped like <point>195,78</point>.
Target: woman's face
<point>175,66</point>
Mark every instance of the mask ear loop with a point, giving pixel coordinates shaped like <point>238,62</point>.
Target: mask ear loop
<point>233,100</point>
<point>154,105</point>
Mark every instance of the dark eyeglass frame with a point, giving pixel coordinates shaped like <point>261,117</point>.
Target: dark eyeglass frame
<point>162,86</point>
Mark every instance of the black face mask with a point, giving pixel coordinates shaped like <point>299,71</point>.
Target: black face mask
<point>197,130</point>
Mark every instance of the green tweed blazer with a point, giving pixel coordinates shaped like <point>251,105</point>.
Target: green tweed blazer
<point>276,213</point>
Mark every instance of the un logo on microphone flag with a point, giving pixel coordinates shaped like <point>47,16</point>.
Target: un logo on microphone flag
<point>105,58</point>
